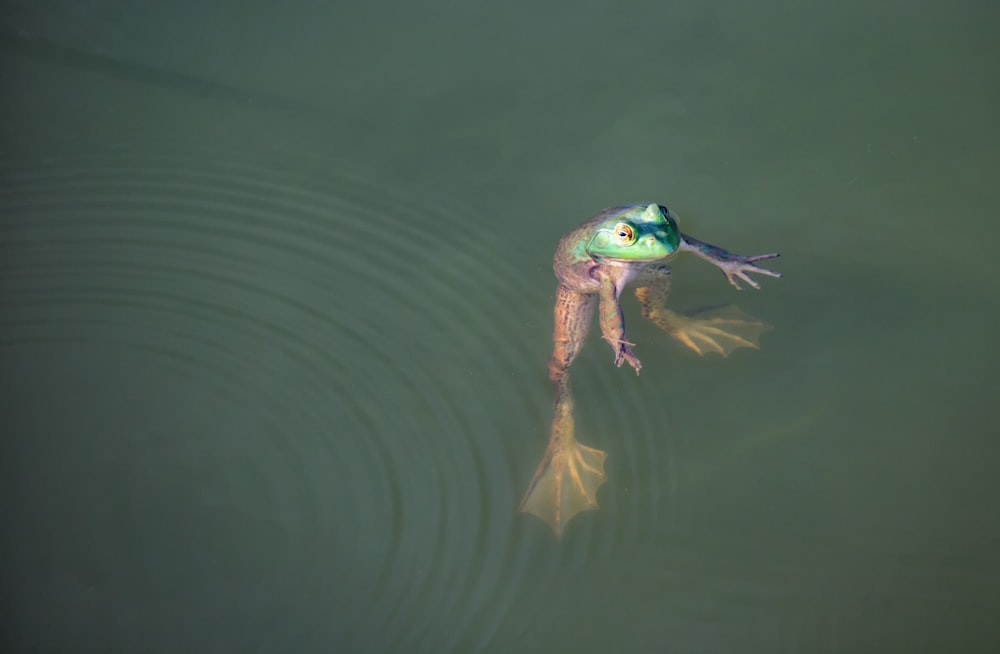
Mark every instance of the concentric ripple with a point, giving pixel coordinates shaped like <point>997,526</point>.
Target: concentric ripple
<point>319,362</point>
<point>322,397</point>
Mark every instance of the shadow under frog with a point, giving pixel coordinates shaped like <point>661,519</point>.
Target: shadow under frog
<point>594,263</point>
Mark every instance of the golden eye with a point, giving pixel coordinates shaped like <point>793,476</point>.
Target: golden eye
<point>625,233</point>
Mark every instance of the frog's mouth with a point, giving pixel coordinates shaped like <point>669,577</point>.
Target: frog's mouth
<point>635,257</point>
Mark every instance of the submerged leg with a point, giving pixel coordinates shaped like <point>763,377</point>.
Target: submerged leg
<point>719,330</point>
<point>569,475</point>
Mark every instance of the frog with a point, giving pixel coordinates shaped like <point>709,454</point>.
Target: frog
<point>593,263</point>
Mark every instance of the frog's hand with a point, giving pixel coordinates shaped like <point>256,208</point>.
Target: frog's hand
<point>719,330</point>
<point>565,483</point>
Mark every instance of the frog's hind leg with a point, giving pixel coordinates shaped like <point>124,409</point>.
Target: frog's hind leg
<point>569,475</point>
<point>719,329</point>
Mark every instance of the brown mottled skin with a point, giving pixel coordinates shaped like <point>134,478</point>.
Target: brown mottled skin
<point>594,263</point>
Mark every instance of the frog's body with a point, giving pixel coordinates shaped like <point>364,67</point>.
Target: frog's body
<point>594,263</point>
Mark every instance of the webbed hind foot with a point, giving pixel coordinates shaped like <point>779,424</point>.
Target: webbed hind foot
<point>720,330</point>
<point>566,482</point>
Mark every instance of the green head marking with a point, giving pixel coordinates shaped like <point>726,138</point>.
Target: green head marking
<point>637,233</point>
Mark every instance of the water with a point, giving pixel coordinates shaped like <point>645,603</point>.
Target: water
<point>275,305</point>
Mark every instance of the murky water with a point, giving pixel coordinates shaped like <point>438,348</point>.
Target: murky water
<point>275,306</point>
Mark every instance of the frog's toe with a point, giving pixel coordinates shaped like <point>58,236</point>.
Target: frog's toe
<point>715,330</point>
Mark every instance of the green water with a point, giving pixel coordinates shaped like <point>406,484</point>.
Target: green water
<point>275,306</point>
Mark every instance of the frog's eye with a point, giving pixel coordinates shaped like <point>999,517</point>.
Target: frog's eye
<point>625,233</point>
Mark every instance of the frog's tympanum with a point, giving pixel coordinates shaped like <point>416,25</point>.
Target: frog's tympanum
<point>594,263</point>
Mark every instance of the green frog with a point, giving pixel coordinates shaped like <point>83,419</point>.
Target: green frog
<point>594,263</point>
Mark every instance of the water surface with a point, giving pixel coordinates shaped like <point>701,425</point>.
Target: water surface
<point>275,305</point>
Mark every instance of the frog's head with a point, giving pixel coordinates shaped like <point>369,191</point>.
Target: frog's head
<point>636,233</point>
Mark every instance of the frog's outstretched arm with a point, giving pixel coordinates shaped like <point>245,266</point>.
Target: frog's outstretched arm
<point>733,266</point>
<point>569,475</point>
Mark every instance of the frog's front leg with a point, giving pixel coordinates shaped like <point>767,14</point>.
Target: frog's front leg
<point>613,322</point>
<point>719,330</point>
<point>733,266</point>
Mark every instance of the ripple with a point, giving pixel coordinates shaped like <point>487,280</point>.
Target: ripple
<point>369,341</point>
<point>346,319</point>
